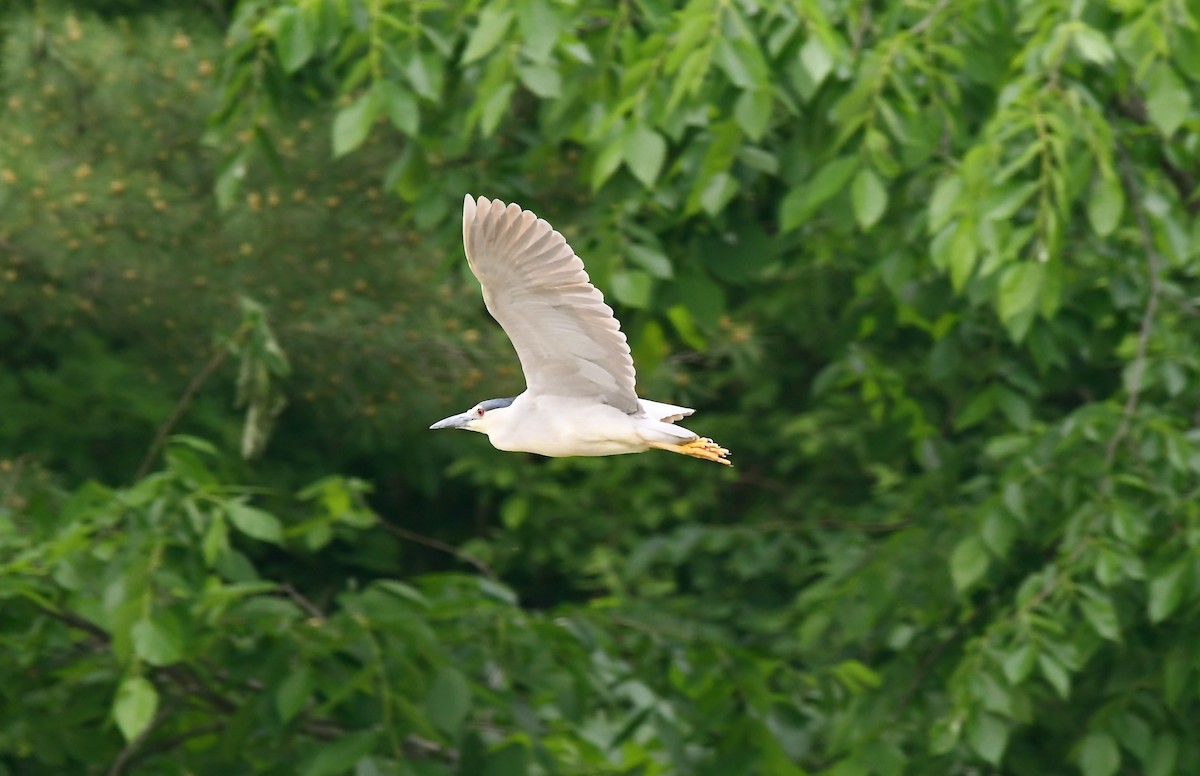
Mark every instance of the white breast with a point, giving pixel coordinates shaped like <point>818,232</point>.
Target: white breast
<point>560,426</point>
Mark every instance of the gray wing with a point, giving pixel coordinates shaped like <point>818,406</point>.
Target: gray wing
<point>534,285</point>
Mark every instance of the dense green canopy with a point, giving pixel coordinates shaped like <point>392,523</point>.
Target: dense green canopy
<point>928,268</point>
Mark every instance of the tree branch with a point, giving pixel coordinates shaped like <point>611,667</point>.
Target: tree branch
<point>181,406</point>
<point>1133,107</point>
<point>928,18</point>
<point>78,623</point>
<point>182,676</point>
<point>167,744</point>
<point>132,749</point>
<point>300,600</point>
<point>1138,367</point>
<point>437,544</point>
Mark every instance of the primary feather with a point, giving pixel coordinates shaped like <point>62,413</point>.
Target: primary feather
<point>567,339</point>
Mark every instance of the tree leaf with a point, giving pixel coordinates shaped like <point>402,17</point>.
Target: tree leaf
<point>353,123</point>
<point>216,538</point>
<point>606,163</point>
<point>1163,756</point>
<point>685,326</point>
<point>157,641</point>
<point>1006,200</point>
<point>968,562</point>
<point>1166,591</point>
<point>831,179</point>
<point>293,693</point>
<point>294,39</point>
<point>338,757</point>
<point>489,31</point>
<point>134,706</point>
<point>494,109</point>
<point>1092,44</point>
<point>651,259</point>
<point>644,151</point>
<point>1168,101</point>
<point>998,531</point>
<point>1055,674</point>
<point>1019,663</point>
<point>448,700</point>
<point>230,178</point>
<point>802,202</point>
<point>962,255</point>
<point>869,198</point>
<point>1098,755</point>
<point>1014,500</point>
<point>717,193</point>
<point>1019,288</point>
<point>978,409</point>
<point>632,288</point>
<point>510,758</point>
<point>1097,608</point>
<point>752,111</point>
<point>421,75</point>
<point>1185,50</point>
<point>988,735</point>
<point>400,105</point>
<point>742,62</point>
<point>539,25</point>
<point>1105,205</point>
<point>497,591</point>
<point>945,202</point>
<point>542,80</point>
<point>1015,407</point>
<point>816,59</point>
<point>254,522</point>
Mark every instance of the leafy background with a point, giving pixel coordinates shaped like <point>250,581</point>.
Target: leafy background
<point>928,268</point>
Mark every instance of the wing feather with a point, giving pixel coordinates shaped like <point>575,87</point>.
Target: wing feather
<point>568,340</point>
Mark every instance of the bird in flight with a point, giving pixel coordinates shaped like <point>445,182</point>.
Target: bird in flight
<point>579,397</point>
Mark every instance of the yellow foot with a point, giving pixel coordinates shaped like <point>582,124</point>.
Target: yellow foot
<point>699,448</point>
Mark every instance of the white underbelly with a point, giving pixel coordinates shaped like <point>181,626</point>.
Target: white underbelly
<point>561,429</point>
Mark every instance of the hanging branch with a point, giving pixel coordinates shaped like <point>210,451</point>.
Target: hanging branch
<point>1138,366</point>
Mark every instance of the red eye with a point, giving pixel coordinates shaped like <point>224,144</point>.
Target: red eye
<point>479,411</point>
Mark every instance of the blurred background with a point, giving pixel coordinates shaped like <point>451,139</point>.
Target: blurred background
<point>927,268</point>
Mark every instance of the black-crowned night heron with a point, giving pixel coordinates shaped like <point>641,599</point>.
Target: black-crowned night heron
<point>579,397</point>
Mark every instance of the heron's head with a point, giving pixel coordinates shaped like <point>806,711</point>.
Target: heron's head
<point>478,418</point>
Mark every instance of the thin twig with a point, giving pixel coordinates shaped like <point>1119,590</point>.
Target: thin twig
<point>418,747</point>
<point>300,600</point>
<point>182,676</point>
<point>181,406</point>
<point>186,679</point>
<point>437,544</point>
<point>1134,107</point>
<point>133,747</point>
<point>657,631</point>
<point>928,18</point>
<point>167,744</point>
<point>78,623</point>
<point>1138,366</point>
<point>926,665</point>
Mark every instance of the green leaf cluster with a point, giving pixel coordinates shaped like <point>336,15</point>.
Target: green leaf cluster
<point>928,270</point>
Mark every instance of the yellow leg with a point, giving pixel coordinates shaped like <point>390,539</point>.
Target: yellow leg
<point>698,448</point>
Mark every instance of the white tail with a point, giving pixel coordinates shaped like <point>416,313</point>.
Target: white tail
<point>667,413</point>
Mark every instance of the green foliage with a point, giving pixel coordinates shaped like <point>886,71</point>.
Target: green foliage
<point>117,267</point>
<point>926,268</point>
<point>155,597</point>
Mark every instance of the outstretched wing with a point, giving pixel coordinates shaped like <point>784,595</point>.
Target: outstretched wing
<point>534,285</point>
